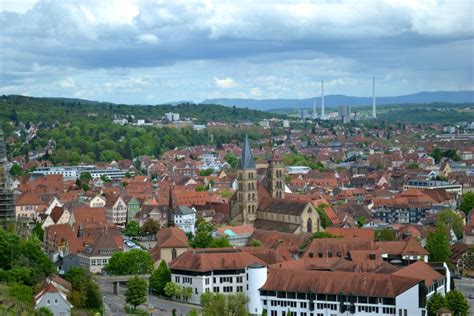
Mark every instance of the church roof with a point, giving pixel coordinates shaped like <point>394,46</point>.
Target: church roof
<point>246,160</point>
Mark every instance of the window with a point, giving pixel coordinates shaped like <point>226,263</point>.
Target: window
<point>216,289</point>
<point>207,281</point>
<point>240,289</point>
<point>56,302</point>
<point>196,291</point>
<point>240,279</point>
<point>48,302</point>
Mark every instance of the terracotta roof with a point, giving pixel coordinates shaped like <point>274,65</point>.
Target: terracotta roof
<point>56,213</point>
<point>238,230</point>
<point>334,246</point>
<point>83,214</point>
<point>362,233</point>
<point>54,278</point>
<point>420,270</point>
<point>171,237</point>
<point>406,247</point>
<point>29,198</point>
<point>324,282</point>
<point>271,238</point>
<point>283,206</point>
<point>203,260</point>
<point>276,226</point>
<point>270,255</point>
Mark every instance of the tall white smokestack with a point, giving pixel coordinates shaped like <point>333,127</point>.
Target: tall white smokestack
<point>315,115</point>
<point>323,116</point>
<point>374,111</point>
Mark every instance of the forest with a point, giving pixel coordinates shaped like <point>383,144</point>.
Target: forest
<point>84,133</point>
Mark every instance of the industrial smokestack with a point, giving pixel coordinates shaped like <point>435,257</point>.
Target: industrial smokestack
<point>374,111</point>
<point>323,116</point>
<point>315,115</point>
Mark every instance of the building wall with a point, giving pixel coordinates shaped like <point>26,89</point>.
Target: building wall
<point>230,284</point>
<point>408,301</point>
<point>167,254</point>
<point>55,303</point>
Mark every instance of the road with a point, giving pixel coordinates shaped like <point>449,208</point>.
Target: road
<point>161,307</point>
<point>466,286</point>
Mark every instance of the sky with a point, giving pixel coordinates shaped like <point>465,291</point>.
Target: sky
<point>152,52</point>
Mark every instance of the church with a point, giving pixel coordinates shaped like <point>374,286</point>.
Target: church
<point>260,201</point>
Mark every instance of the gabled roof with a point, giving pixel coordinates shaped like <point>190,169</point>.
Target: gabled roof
<point>420,270</point>
<point>324,282</point>
<point>203,260</point>
<point>407,247</point>
<point>283,206</point>
<point>246,159</point>
<point>171,237</point>
<point>183,210</point>
<point>362,233</point>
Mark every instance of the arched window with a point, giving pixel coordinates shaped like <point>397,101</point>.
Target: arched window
<point>253,186</point>
<point>253,208</point>
<point>253,196</point>
<point>173,254</point>
<point>250,186</point>
<point>248,208</point>
<point>249,196</point>
<point>309,226</point>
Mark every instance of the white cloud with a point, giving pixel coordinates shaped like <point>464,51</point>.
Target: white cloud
<point>225,83</point>
<point>150,39</point>
<point>67,82</point>
<point>256,92</point>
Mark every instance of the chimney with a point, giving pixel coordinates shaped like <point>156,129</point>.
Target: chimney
<point>374,112</point>
<point>323,116</point>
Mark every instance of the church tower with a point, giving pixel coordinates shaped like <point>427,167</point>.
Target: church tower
<point>247,198</point>
<point>276,178</point>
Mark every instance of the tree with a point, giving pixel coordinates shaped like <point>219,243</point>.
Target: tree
<point>361,221</point>
<point>436,302</point>
<point>136,291</point>
<point>325,221</point>
<point>43,311</point>
<point>132,229</point>
<point>385,235</point>
<point>135,261</point>
<point>216,304</point>
<point>85,292</point>
<point>467,203</point>
<point>150,227</point>
<point>437,244</point>
<point>160,278</point>
<point>38,231</point>
<point>457,303</point>
<point>16,170</point>
<point>451,220</point>
<point>437,154</point>
<point>255,243</point>
<point>220,242</point>
<point>322,235</point>
<point>206,172</point>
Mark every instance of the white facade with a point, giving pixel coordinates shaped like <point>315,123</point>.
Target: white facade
<point>213,282</point>
<point>117,214</point>
<point>258,275</point>
<point>186,221</point>
<point>172,117</point>
<point>74,172</point>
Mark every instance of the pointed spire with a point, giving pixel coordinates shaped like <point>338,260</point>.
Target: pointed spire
<point>246,160</point>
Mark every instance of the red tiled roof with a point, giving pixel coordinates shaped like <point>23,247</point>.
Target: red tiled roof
<point>362,233</point>
<point>420,270</point>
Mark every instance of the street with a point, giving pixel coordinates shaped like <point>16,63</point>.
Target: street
<point>161,307</point>
<point>466,286</point>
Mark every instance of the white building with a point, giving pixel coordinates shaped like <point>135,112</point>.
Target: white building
<point>212,270</point>
<point>184,217</point>
<point>172,117</point>
<point>74,172</point>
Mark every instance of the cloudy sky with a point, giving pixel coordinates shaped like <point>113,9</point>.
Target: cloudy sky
<point>137,51</point>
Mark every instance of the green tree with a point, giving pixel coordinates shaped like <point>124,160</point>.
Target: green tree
<point>255,243</point>
<point>16,170</point>
<point>385,235</point>
<point>322,235</point>
<point>216,304</point>
<point>22,293</point>
<point>220,242</point>
<point>85,292</point>
<point>467,202</point>
<point>132,229</point>
<point>136,291</point>
<point>206,172</point>
<point>451,220</point>
<point>325,221</point>
<point>171,289</point>
<point>437,154</point>
<point>160,278</point>
<point>457,303</point>
<point>436,302</point>
<point>38,231</point>
<point>231,159</point>
<point>93,298</point>
<point>43,311</point>
<point>150,227</point>
<point>361,220</point>
<point>135,261</point>
<point>437,244</point>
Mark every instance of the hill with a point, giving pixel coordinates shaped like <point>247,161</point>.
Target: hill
<point>62,109</point>
<point>335,100</point>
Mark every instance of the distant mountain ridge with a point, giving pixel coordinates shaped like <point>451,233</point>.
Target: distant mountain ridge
<point>335,100</point>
